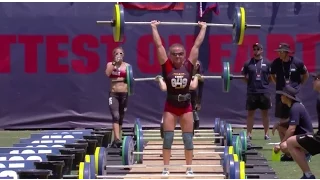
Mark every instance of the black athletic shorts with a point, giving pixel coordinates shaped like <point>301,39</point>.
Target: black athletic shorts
<point>258,101</point>
<point>282,111</point>
<point>310,142</point>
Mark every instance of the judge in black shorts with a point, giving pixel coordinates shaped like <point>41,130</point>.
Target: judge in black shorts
<point>300,144</point>
<point>257,74</point>
<point>118,96</point>
<point>299,121</point>
<point>286,70</point>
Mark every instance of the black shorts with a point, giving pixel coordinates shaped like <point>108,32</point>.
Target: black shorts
<point>258,101</point>
<point>309,142</point>
<point>118,106</point>
<point>282,111</point>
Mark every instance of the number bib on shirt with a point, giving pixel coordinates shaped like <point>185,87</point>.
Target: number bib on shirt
<point>179,82</point>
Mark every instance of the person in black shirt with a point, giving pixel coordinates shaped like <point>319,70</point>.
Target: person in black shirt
<point>309,142</point>
<point>299,120</point>
<point>196,95</point>
<point>257,75</point>
<point>286,70</point>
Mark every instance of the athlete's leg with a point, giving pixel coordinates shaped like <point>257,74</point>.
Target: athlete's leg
<point>114,110</point>
<point>169,123</point>
<point>186,122</point>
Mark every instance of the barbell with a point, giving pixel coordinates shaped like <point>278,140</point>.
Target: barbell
<point>226,77</point>
<point>238,26</point>
<point>233,168</point>
<point>238,141</point>
<point>129,153</point>
<point>223,132</point>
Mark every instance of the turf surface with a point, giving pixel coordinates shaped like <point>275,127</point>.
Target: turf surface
<point>284,170</point>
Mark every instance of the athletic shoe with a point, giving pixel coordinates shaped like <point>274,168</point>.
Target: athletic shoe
<point>305,177</point>
<point>165,172</point>
<point>116,144</point>
<point>284,157</point>
<point>189,172</point>
<point>266,137</point>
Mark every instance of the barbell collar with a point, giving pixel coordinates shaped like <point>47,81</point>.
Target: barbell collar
<point>253,26</point>
<point>70,176</point>
<point>211,77</point>
<point>237,76</point>
<point>104,22</point>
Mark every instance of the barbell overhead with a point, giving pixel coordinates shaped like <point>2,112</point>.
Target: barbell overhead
<point>239,24</point>
<point>178,23</point>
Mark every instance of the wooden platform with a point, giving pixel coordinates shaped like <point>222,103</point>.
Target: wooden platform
<point>176,172</point>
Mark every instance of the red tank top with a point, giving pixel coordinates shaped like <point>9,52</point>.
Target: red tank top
<point>177,80</point>
<point>118,73</point>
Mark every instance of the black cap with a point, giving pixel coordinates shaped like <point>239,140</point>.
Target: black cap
<point>283,47</point>
<point>257,45</point>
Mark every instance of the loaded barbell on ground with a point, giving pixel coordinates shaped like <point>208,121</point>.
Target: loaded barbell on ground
<point>239,24</point>
<point>238,142</point>
<point>209,132</point>
<point>129,159</point>
<point>139,139</point>
<point>225,130</point>
<point>101,157</point>
<point>128,150</point>
<point>232,169</point>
